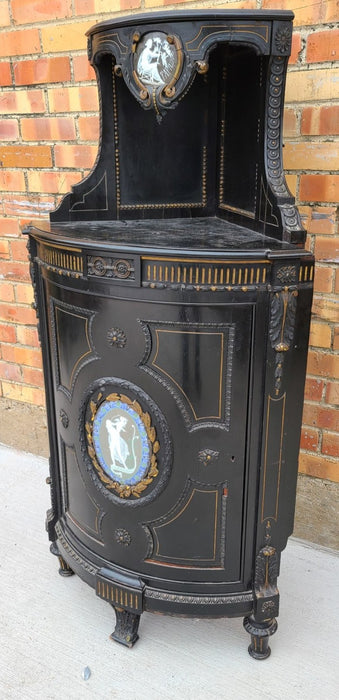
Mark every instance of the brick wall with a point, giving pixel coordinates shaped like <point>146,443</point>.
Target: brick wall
<point>48,141</point>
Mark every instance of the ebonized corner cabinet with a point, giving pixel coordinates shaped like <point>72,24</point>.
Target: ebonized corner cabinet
<point>173,294</point>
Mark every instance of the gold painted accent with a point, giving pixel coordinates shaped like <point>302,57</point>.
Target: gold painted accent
<point>311,273</point>
<point>116,140</point>
<point>269,400</point>
<point>177,515</point>
<point>235,29</point>
<point>148,272</point>
<point>237,210</point>
<point>300,274</point>
<point>161,330</point>
<point>124,490</point>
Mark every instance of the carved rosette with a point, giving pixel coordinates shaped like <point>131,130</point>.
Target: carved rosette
<point>122,537</point>
<point>116,337</point>
<point>283,39</point>
<point>123,477</point>
<point>282,323</point>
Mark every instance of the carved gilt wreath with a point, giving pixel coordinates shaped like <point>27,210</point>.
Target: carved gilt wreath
<point>123,490</point>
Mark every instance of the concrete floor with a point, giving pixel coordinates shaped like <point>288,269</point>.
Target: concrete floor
<point>51,628</point>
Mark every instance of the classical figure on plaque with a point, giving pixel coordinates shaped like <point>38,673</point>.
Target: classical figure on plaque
<point>119,450</point>
<point>156,61</point>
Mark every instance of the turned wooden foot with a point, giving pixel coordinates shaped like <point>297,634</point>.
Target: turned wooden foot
<point>64,569</point>
<point>260,633</point>
<point>126,628</point>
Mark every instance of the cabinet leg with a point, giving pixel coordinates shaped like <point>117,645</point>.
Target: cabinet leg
<point>260,633</point>
<point>126,628</point>
<point>64,569</point>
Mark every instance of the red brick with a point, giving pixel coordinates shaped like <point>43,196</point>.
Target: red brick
<point>12,181</point>
<point>314,389</point>
<point>332,393</point>
<point>22,102</point>
<point>42,70</point>
<point>89,128</point>
<point>34,377</point>
<point>19,249</point>
<point>28,207</point>
<point>6,291</point>
<point>309,439</point>
<point>18,392</point>
<point>306,12</point>
<point>4,13</point>
<point>14,271</point>
<point>5,74</point>
<point>73,99</point>
<point>7,333</point>
<point>311,156</point>
<point>321,416</point>
<point>75,156</point>
<point>84,7</point>
<point>327,248</point>
<point>337,281</point>
<point>22,356</point>
<point>290,123</point>
<point>16,43</point>
<point>25,156</point>
<point>323,279</point>
<point>24,293</point>
<point>39,181</point>
<point>323,46</point>
<point>4,250</point>
<point>330,444</point>
<point>10,372</point>
<point>17,314</point>
<point>318,466</point>
<point>325,309</point>
<point>296,47</point>
<point>28,336</point>
<point>323,364</point>
<point>323,220</point>
<point>133,4</point>
<point>9,130</point>
<point>82,69</point>
<point>320,120</point>
<point>336,338</point>
<point>9,227</point>
<point>320,335</point>
<point>48,129</point>
<point>319,188</point>
<point>65,37</point>
<point>40,10</point>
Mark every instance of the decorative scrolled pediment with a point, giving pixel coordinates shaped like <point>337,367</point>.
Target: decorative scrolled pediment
<point>159,63</point>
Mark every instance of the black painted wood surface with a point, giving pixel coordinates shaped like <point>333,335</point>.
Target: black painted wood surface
<point>173,280</point>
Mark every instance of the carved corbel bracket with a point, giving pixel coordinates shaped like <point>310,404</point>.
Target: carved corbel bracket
<point>265,584</point>
<point>281,328</point>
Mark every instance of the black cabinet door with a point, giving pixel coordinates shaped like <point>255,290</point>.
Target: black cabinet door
<point>160,384</point>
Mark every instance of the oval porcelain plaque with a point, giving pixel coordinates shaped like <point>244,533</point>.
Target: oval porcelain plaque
<point>121,443</point>
<point>155,59</point>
